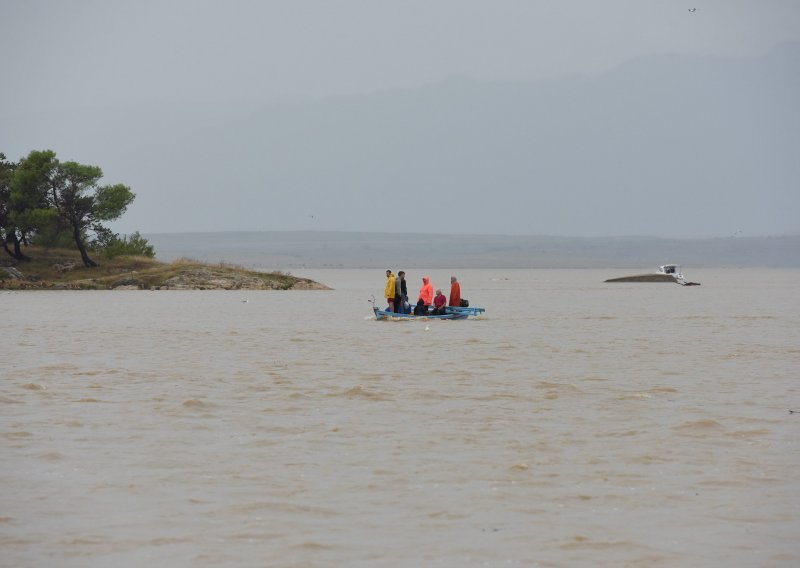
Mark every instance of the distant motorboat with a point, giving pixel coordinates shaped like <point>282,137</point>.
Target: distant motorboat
<point>673,270</point>
<point>665,273</point>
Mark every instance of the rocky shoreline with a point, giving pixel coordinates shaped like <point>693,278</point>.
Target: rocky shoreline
<point>158,276</point>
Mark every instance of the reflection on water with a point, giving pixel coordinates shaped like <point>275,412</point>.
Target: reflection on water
<point>576,423</point>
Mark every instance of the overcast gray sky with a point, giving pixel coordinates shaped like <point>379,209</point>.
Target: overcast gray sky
<point>68,56</point>
<point>97,52</point>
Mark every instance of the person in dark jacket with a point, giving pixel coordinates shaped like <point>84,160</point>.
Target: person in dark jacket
<point>401,293</point>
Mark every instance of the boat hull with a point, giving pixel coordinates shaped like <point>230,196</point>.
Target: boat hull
<point>452,314</point>
<point>654,278</point>
<point>645,278</point>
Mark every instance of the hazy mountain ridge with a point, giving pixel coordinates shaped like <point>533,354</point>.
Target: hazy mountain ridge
<point>666,145</point>
<point>306,249</point>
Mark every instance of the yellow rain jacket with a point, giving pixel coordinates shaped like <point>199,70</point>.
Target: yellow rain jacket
<point>389,291</point>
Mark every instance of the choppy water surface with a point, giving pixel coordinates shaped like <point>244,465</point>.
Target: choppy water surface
<point>577,423</point>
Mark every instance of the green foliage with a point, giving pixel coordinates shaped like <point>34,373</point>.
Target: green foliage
<point>29,187</point>
<point>49,231</point>
<point>133,245</point>
<point>24,200</point>
<point>111,201</point>
<point>71,185</point>
<point>51,199</point>
<point>104,237</point>
<point>6,174</point>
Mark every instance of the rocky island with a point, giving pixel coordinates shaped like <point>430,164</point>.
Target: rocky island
<point>61,269</point>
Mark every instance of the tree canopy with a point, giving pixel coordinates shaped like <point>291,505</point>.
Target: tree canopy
<point>41,195</point>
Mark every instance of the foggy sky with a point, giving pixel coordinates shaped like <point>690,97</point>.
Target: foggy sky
<point>78,52</point>
<point>66,61</point>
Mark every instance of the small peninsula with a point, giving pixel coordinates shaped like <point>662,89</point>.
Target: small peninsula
<point>47,204</point>
<point>62,269</point>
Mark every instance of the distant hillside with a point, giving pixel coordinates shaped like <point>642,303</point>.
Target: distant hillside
<point>670,145</point>
<point>287,250</point>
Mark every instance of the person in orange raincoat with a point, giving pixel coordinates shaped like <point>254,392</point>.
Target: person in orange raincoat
<point>426,292</point>
<point>389,291</point>
<point>455,292</point>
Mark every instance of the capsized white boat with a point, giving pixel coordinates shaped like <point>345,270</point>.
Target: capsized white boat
<point>665,273</point>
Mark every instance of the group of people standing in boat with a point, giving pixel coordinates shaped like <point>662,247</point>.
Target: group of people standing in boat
<point>396,294</point>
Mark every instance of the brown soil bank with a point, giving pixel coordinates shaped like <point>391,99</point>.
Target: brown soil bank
<point>58,269</point>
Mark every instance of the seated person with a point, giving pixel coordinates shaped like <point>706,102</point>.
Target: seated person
<point>421,309</point>
<point>439,303</point>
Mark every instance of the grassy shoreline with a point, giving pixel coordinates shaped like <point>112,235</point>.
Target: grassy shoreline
<point>62,269</point>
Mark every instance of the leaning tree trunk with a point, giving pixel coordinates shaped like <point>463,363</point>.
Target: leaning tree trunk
<point>82,249</point>
<point>11,237</point>
<point>8,250</point>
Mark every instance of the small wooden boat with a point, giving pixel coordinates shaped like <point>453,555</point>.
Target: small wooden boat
<point>451,313</point>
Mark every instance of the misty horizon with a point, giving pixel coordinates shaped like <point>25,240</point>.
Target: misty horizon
<point>473,234</point>
<point>339,249</point>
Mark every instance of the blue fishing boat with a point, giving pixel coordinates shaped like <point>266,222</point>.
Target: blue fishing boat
<point>451,313</point>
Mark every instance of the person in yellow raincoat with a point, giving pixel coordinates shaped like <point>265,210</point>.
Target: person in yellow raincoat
<point>389,292</point>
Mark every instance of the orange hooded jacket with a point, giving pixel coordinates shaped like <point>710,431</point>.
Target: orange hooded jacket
<point>426,292</point>
<point>455,294</point>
